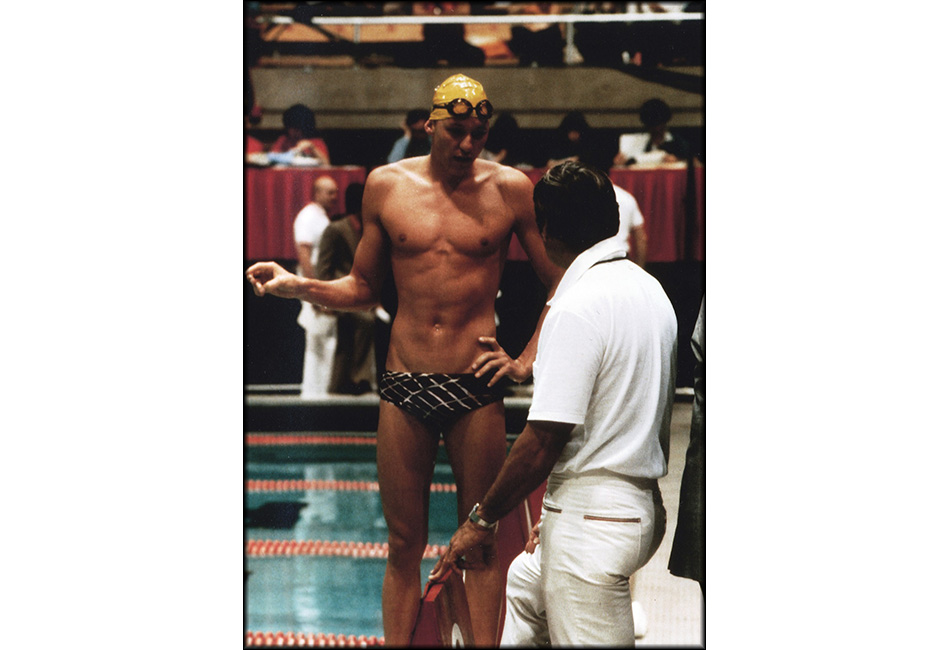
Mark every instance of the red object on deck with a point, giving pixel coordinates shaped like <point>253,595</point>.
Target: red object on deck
<point>444,619</point>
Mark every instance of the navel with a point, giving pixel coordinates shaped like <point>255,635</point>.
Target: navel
<point>402,236</point>
<point>484,242</point>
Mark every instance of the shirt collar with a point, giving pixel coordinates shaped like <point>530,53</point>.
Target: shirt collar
<point>602,251</point>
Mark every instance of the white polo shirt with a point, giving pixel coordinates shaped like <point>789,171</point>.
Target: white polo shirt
<point>606,363</point>
<point>309,225</point>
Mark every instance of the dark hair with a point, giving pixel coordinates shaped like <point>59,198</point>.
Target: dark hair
<point>353,198</point>
<point>300,117</point>
<point>574,121</point>
<point>503,134</point>
<point>577,204</point>
<point>416,114</point>
<point>655,112</point>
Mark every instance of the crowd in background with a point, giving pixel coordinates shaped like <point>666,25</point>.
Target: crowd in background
<point>300,143</point>
<point>644,44</point>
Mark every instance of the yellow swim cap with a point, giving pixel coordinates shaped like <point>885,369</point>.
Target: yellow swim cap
<point>460,87</point>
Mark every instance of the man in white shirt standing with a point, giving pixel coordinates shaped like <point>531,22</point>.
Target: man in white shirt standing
<point>598,431</point>
<point>319,326</point>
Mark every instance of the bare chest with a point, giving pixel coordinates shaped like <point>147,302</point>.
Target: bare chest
<point>474,224</point>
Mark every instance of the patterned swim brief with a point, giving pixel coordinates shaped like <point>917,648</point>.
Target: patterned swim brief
<point>437,399</point>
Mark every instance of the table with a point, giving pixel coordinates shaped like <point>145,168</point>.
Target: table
<point>274,196</point>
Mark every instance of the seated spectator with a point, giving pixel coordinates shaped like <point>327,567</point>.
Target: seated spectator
<point>655,146</point>
<point>540,44</point>
<point>300,136</point>
<point>572,140</point>
<point>648,43</point>
<point>602,44</point>
<point>414,141</point>
<point>444,44</point>
<point>505,144</point>
<point>666,43</point>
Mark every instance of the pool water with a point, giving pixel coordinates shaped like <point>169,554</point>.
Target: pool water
<point>325,594</point>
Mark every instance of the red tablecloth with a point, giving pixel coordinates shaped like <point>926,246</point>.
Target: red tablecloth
<point>273,197</point>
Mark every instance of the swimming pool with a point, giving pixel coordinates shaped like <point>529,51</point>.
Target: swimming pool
<point>315,535</point>
<point>315,545</point>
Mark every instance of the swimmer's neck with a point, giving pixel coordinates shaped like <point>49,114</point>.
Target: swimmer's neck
<point>444,175</point>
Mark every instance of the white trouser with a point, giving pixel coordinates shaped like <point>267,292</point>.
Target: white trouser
<point>319,345</point>
<point>596,531</point>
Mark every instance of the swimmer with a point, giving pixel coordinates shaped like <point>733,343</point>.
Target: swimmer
<point>443,223</point>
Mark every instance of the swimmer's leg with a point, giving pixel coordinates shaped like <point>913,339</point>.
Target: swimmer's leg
<point>476,449</point>
<point>405,460</point>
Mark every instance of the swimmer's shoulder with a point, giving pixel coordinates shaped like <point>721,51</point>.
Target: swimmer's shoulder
<point>507,178</point>
<point>399,171</point>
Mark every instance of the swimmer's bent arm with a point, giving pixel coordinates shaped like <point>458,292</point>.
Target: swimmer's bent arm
<point>349,293</point>
<point>354,292</point>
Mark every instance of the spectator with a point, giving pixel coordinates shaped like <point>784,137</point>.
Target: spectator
<point>632,235</point>
<point>666,42</point>
<point>353,360</point>
<point>318,324</point>
<point>655,146</point>
<point>414,141</point>
<point>645,44</point>
<point>572,140</point>
<point>300,137</point>
<point>537,44</point>
<point>505,143</point>
<point>445,44</point>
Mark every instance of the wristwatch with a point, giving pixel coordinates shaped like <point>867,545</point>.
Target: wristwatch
<point>478,521</point>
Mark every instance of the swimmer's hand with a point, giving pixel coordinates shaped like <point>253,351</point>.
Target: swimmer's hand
<point>498,360</point>
<point>468,540</point>
<point>268,277</point>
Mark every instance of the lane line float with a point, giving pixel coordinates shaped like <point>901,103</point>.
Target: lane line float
<point>264,548</point>
<point>300,485</point>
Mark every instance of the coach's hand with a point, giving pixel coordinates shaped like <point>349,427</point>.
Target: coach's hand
<point>471,547</point>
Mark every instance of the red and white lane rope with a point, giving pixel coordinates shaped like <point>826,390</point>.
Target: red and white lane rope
<point>299,485</point>
<point>302,640</point>
<point>272,439</point>
<point>313,547</point>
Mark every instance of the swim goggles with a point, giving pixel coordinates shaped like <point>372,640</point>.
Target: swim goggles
<point>462,108</point>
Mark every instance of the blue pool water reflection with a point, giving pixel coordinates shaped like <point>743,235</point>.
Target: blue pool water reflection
<point>325,594</point>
